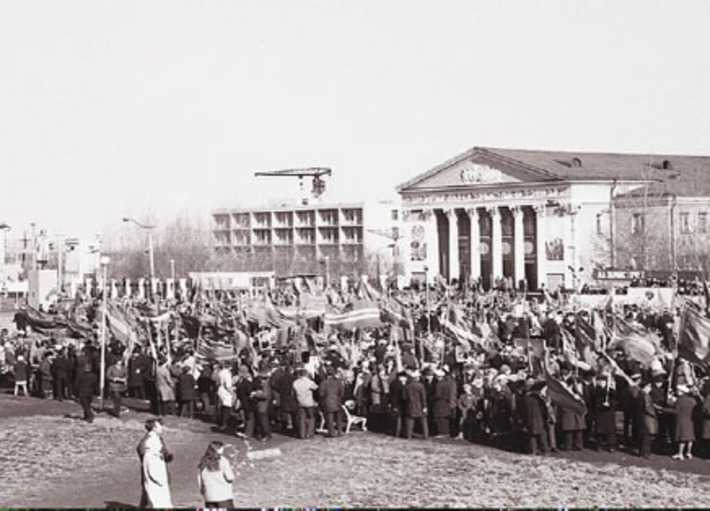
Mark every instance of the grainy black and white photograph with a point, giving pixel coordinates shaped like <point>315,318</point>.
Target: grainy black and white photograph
<point>337,254</point>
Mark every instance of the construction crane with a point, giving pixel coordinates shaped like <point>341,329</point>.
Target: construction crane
<point>317,173</point>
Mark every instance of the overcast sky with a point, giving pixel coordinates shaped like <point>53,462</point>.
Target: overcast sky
<point>123,107</point>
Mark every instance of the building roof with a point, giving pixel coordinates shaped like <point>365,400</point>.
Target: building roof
<point>676,174</point>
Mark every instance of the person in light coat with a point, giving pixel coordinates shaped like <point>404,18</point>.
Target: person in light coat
<point>215,477</point>
<point>155,472</point>
<point>166,388</point>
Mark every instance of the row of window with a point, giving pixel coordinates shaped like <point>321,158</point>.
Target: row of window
<point>638,223</point>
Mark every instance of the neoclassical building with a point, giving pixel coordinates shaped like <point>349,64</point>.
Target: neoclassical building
<point>543,217</point>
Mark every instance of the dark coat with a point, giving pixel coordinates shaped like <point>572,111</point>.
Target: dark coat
<point>533,414</point>
<point>138,369</point>
<point>648,418</point>
<point>499,412</point>
<point>706,417</point>
<point>330,394</point>
<point>186,387</point>
<point>415,396</point>
<point>398,402</point>
<point>262,395</point>
<point>244,389</point>
<point>60,367</point>
<point>21,371</point>
<point>604,410</point>
<point>684,430</point>
<point>288,400</point>
<point>442,399</point>
<point>87,384</point>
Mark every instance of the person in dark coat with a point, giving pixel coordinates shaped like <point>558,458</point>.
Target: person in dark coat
<point>187,390</point>
<point>533,414</point>
<point>289,403</point>
<point>260,401</point>
<point>429,383</point>
<point>138,371</point>
<point>60,375</point>
<point>330,400</point>
<point>398,403</point>
<point>573,424</point>
<point>647,419</point>
<point>604,402</point>
<point>684,432</point>
<point>441,403</point>
<point>416,408</point>
<point>87,385</point>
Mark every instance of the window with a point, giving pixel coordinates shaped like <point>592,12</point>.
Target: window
<point>685,223</point>
<point>600,224</point>
<point>637,223</point>
<point>702,222</point>
<point>395,215</point>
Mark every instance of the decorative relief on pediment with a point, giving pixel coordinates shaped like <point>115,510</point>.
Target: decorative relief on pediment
<point>484,195</point>
<point>476,173</point>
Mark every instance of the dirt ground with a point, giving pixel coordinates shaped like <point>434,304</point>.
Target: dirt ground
<point>51,458</point>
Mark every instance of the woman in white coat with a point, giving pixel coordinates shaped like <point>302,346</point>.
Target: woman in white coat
<point>155,473</point>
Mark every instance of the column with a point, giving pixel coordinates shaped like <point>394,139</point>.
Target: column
<point>170,289</point>
<point>496,243</point>
<point>183,289</point>
<point>153,287</point>
<point>454,267</point>
<point>475,244</point>
<point>432,244</point>
<point>127,288</point>
<point>113,290</point>
<point>519,244</point>
<point>141,288</point>
<point>540,252</point>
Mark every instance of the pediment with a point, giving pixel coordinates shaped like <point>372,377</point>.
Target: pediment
<point>471,171</point>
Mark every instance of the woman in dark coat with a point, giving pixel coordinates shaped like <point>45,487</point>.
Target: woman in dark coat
<point>647,419</point>
<point>684,432</point>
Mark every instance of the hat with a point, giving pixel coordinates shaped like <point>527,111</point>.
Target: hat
<point>682,389</point>
<point>439,373</point>
<point>20,358</point>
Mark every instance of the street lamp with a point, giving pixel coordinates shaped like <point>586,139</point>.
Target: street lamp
<point>105,260</point>
<point>151,255</point>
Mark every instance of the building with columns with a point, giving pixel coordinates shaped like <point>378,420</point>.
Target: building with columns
<point>538,217</point>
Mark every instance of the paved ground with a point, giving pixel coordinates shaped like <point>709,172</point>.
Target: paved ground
<point>54,459</point>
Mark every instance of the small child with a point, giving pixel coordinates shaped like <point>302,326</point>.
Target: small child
<point>466,402</point>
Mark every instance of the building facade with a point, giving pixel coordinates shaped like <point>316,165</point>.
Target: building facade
<point>539,217</point>
<point>340,239</point>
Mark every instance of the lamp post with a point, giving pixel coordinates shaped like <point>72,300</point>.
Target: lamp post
<point>151,254</point>
<point>105,260</point>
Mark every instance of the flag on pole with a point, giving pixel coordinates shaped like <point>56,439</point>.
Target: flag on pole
<point>694,337</point>
<point>562,396</point>
<point>357,314</point>
<point>457,327</point>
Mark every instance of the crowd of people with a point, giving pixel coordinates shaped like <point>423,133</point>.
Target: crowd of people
<point>420,381</point>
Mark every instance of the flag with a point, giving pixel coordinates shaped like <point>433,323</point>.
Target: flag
<point>694,337</point>
<point>636,346</point>
<point>356,314</point>
<point>457,327</point>
<point>216,350</point>
<point>122,326</point>
<point>562,396</point>
<point>397,313</point>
